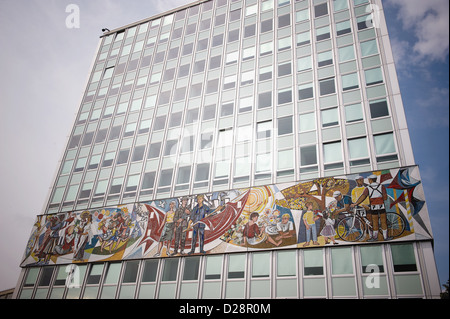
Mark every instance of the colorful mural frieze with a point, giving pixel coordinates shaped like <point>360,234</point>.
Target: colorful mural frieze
<point>376,206</point>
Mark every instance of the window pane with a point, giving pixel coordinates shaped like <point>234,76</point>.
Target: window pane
<point>350,81</point>
<point>94,274</point>
<point>378,108</point>
<point>353,113</point>
<point>332,152</point>
<point>327,86</point>
<point>260,265</point>
<point>384,143</point>
<point>308,155</point>
<point>112,273</point>
<point>313,262</point>
<point>307,122</point>
<point>403,257</point>
<point>321,10</point>
<point>369,48</point>
<point>131,269</point>
<point>286,263</point>
<point>373,76</point>
<point>213,267</point>
<point>358,148</point>
<point>346,53</point>
<point>150,270</point>
<point>371,256</point>
<point>330,117</point>
<point>236,266</point>
<point>191,267</point>
<point>285,125</point>
<point>304,63</point>
<point>170,269</point>
<point>342,261</point>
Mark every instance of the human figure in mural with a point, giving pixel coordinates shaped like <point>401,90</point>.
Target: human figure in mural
<point>328,230</point>
<point>254,235</point>
<point>285,228</point>
<point>82,234</point>
<point>182,217</point>
<point>199,212</point>
<point>167,228</point>
<point>377,196</point>
<point>309,220</point>
<point>50,238</point>
<point>357,192</point>
<point>108,237</point>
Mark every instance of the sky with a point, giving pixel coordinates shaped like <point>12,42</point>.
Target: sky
<point>46,57</point>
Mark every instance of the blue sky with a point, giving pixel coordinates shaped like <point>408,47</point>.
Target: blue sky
<point>44,69</point>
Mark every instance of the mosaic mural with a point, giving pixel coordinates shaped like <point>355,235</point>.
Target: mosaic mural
<point>380,206</point>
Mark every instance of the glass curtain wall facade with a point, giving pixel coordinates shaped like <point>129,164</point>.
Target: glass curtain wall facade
<point>232,94</point>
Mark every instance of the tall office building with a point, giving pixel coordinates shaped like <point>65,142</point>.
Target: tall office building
<point>219,151</point>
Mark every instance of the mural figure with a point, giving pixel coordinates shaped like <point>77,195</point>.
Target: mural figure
<point>199,212</point>
<point>328,231</point>
<point>182,218</point>
<point>377,196</point>
<point>168,230</point>
<point>380,205</point>
<point>309,219</point>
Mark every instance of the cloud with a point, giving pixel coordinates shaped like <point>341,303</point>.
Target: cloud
<point>429,22</point>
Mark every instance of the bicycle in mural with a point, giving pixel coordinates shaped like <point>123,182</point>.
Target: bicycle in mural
<point>356,226</point>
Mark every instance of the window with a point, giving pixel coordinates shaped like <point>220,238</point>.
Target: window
<point>209,112</point>
<point>353,113</point>
<point>233,35</point>
<point>266,48</point>
<point>250,31</point>
<point>320,10</point>
<point>284,43</point>
<point>225,137</point>
<point>303,38</point>
<point>101,188</point>
<point>373,76</point>
<point>213,267</point>
<point>302,15</point>
<point>264,129</point>
<point>378,108</point>
<point>217,40</point>
<point>340,5</point>
<point>265,73</point>
<point>285,125</point>
<point>247,77</point>
<point>95,160</point>
<point>108,159</point>
<point>284,20</point>
<point>123,156</point>
<point>323,33</point>
<point>284,96</point>
<point>236,266</point>
<point>305,91</point>
<point>165,178</point>
<point>248,53</point>
<point>154,150</point>
<point>343,27</point>
<point>246,104</point>
<point>149,180</point>
<point>369,48</point>
<point>170,147</point>
<point>116,185</point>
<point>202,172</point>
<point>307,122</point>
<point>332,152</point>
<point>232,57</point>
<point>346,53</point>
<point>330,117</point>
<point>357,148</point>
<point>341,261</point>
<point>191,268</point>
<point>266,25</point>
<point>304,63</point>
<point>227,109</point>
<point>313,262</point>
<point>372,256</point>
<point>86,190</point>
<point>403,257</point>
<point>384,144</point>
<point>350,81</point>
<point>327,86</point>
<point>284,69</point>
<point>308,155</point>
<point>150,270</point>
<point>325,58</point>
<point>260,265</point>
<point>175,119</point>
<point>264,100</point>
<point>170,269</point>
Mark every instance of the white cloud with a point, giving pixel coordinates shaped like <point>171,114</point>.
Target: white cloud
<point>429,21</point>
